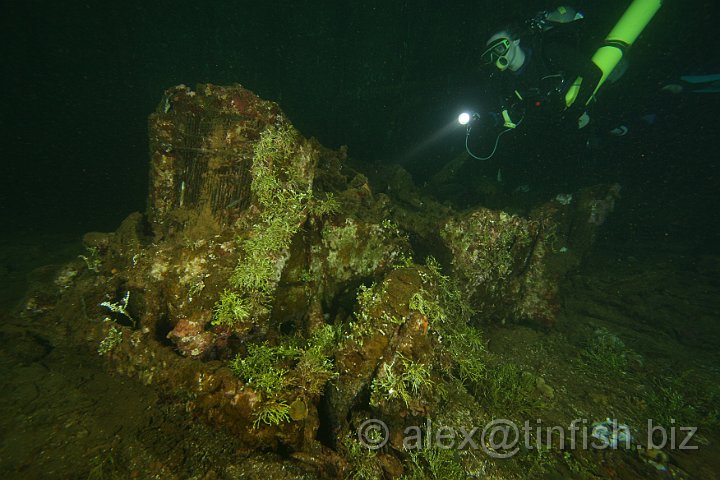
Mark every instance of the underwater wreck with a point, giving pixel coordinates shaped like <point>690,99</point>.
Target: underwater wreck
<point>270,289</point>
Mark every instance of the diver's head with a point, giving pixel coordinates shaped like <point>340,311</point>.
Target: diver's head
<point>503,50</point>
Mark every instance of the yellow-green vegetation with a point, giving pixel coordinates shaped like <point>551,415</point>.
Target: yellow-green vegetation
<point>435,464</point>
<point>370,315</point>
<point>265,367</point>
<point>512,232</point>
<point>113,338</point>
<point>541,460</point>
<point>467,347</point>
<point>363,461</point>
<point>457,309</point>
<point>572,462</point>
<point>231,308</point>
<point>401,379</point>
<point>687,399</point>
<point>504,388</point>
<point>368,298</point>
<point>669,406</point>
<point>423,303</point>
<point>314,367</point>
<point>279,178</point>
<point>404,260</point>
<point>326,207</point>
<point>273,412</point>
<point>490,243</point>
<point>282,187</point>
<point>286,371</point>
<point>545,460</point>
<point>105,467</point>
<point>356,249</point>
<point>507,388</point>
<point>92,259</point>
<point>449,314</point>
<point>607,354</point>
<point>114,335</point>
<point>120,308</point>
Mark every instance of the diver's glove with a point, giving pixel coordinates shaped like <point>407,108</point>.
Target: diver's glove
<point>583,120</point>
<point>619,131</point>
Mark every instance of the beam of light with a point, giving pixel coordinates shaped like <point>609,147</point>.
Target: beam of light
<point>430,139</point>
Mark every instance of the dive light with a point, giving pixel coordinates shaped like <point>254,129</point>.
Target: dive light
<point>465,117</point>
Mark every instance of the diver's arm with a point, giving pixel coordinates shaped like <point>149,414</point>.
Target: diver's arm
<point>506,109</point>
<point>512,110</point>
<point>579,70</point>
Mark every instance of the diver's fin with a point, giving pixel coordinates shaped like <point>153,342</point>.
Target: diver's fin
<point>701,78</point>
<point>672,88</point>
<point>707,90</point>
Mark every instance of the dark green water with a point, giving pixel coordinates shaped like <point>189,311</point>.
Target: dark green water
<point>380,77</point>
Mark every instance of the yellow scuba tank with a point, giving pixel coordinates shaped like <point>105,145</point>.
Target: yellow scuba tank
<point>623,34</point>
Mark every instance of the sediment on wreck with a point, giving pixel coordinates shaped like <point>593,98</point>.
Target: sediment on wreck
<point>268,282</point>
<point>511,266</point>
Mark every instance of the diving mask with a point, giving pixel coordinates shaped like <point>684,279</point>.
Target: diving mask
<point>497,53</point>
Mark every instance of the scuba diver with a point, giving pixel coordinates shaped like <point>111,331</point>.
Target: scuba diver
<point>549,72</point>
<point>540,62</point>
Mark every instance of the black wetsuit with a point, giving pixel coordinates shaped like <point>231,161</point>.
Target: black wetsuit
<point>553,60</point>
